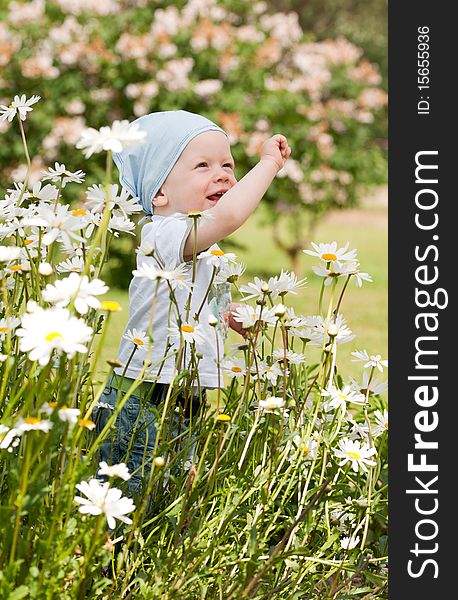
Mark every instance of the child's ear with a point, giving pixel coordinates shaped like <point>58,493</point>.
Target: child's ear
<point>160,199</point>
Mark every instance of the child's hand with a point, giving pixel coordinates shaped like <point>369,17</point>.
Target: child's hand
<point>276,148</point>
<point>235,325</point>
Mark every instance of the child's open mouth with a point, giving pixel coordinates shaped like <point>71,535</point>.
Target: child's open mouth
<point>216,196</point>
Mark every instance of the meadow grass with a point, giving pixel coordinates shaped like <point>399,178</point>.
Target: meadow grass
<point>366,308</point>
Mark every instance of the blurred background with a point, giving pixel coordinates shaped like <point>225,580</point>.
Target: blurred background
<point>314,70</point>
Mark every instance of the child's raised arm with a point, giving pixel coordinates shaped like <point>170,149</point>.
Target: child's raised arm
<point>238,203</point>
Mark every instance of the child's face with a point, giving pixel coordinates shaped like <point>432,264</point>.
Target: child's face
<point>204,171</point>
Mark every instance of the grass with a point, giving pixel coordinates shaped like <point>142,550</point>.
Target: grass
<point>366,308</point>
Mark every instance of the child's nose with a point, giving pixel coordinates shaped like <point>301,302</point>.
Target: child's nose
<point>221,174</point>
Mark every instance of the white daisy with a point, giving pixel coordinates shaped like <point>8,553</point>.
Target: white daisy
<point>308,448</point>
<point>356,453</point>
<point>216,257</point>
<point>330,252</point>
<point>19,105</point>
<point>8,325</point>
<point>249,316</point>
<point>374,360</point>
<point>96,199</point>
<point>139,338</point>
<point>101,499</point>
<point>69,415</point>
<point>74,264</point>
<point>193,216</point>
<point>43,331</point>
<point>234,367</point>
<point>9,253</point>
<point>358,430</point>
<point>229,272</point>
<point>121,223</point>
<point>33,424</point>
<point>272,404</point>
<point>58,220</point>
<point>44,193</point>
<point>116,138</point>
<point>119,470</point>
<point>77,288</point>
<point>10,438</point>
<point>381,423</point>
<point>338,269</point>
<point>257,288</point>
<point>336,330</point>
<point>339,398</point>
<point>175,276</point>
<point>287,283</point>
<point>348,543</point>
<point>62,174</point>
<point>375,386</point>
<point>268,372</point>
<point>292,358</point>
<point>191,333</point>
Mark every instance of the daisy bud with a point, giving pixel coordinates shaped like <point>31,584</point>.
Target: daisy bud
<point>280,310</point>
<point>159,461</point>
<point>45,269</point>
<point>114,362</point>
<point>212,321</point>
<point>332,330</point>
<point>3,357</point>
<point>31,306</point>
<point>265,288</point>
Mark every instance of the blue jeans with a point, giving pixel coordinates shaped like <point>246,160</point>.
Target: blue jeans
<point>132,438</point>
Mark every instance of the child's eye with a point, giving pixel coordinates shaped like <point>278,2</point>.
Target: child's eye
<point>228,165</point>
<point>202,164</point>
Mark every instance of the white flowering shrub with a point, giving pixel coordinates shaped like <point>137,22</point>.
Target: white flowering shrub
<point>252,71</point>
<point>284,493</point>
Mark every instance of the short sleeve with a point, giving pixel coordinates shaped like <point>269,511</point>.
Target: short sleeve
<point>169,237</point>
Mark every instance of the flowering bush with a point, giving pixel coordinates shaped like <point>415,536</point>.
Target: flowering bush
<point>251,71</point>
<point>278,487</point>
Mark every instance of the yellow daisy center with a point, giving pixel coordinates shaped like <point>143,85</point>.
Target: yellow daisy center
<point>328,256</point>
<point>79,212</point>
<point>15,268</point>
<point>194,213</point>
<point>32,420</point>
<point>52,336</point>
<point>110,306</point>
<point>223,417</point>
<point>217,252</point>
<point>3,329</point>
<point>27,241</point>
<point>52,404</point>
<point>10,106</point>
<point>354,455</point>
<point>236,369</point>
<point>138,341</point>
<point>187,328</point>
<point>86,423</point>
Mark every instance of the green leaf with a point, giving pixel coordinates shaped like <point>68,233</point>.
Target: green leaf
<point>21,592</point>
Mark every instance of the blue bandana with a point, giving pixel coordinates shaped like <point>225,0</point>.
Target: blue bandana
<point>143,168</point>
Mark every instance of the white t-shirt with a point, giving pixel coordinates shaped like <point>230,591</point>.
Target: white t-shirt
<point>167,235</point>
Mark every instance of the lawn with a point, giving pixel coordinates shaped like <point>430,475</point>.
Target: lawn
<point>366,308</point>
